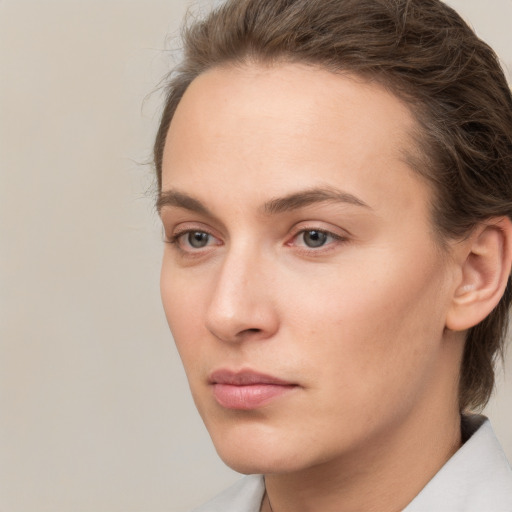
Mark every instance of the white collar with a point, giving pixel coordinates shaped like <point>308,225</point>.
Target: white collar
<point>478,477</point>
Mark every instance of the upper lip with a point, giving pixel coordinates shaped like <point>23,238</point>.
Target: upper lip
<point>244,378</point>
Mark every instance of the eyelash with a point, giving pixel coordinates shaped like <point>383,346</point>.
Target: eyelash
<point>327,246</point>
<point>175,238</point>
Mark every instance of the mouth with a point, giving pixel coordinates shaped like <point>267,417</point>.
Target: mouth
<point>247,390</point>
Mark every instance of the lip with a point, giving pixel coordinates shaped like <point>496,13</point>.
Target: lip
<point>247,389</point>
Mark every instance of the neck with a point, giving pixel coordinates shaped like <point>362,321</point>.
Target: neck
<point>383,476</point>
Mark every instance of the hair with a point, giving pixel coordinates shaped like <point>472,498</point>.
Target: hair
<point>425,54</point>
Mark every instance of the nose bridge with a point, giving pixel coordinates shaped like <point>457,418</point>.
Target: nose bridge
<point>240,304</point>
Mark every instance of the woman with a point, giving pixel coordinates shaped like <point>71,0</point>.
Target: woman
<point>335,189</point>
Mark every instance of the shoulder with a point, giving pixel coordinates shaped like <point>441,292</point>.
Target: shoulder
<point>243,496</point>
<point>478,477</point>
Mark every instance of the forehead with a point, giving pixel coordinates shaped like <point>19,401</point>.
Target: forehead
<point>259,127</point>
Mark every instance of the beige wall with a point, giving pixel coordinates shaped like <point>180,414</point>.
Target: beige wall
<point>94,408</point>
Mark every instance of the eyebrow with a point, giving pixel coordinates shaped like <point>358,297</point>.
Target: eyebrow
<point>308,197</point>
<point>180,200</point>
<point>290,202</point>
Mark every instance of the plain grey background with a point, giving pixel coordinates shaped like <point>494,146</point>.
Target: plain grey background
<point>95,413</point>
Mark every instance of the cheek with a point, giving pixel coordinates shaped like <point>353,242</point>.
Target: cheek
<point>371,329</point>
<point>182,302</point>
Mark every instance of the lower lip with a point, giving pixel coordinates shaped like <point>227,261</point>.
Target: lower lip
<point>248,397</point>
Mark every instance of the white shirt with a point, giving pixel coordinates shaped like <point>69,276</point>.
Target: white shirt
<point>478,478</point>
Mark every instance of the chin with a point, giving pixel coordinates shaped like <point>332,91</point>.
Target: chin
<point>258,449</point>
<point>260,462</point>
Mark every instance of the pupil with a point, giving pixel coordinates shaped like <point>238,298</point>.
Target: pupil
<point>198,239</point>
<point>314,238</point>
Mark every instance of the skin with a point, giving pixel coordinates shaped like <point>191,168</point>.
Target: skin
<point>357,324</point>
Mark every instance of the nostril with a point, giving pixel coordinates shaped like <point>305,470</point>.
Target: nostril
<point>250,332</point>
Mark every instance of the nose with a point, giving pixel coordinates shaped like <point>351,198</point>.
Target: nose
<point>242,304</point>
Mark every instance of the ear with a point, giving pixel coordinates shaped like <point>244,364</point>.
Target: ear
<point>486,259</point>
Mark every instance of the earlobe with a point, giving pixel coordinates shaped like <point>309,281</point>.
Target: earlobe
<point>485,269</point>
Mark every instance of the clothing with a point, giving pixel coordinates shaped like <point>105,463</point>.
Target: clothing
<point>478,478</point>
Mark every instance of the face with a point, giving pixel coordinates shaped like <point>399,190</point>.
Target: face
<point>302,283</point>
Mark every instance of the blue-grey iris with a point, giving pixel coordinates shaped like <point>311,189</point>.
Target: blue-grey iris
<point>198,239</point>
<point>314,238</point>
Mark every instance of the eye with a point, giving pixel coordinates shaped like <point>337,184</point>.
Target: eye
<point>315,238</point>
<point>193,239</point>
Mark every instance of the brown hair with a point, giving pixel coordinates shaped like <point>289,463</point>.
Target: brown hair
<point>423,52</point>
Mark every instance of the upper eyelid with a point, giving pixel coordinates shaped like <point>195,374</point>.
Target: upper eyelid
<point>316,228</point>
<point>180,232</point>
<point>319,226</point>
<point>171,216</point>
<point>324,231</point>
<point>188,226</point>
<point>335,237</point>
